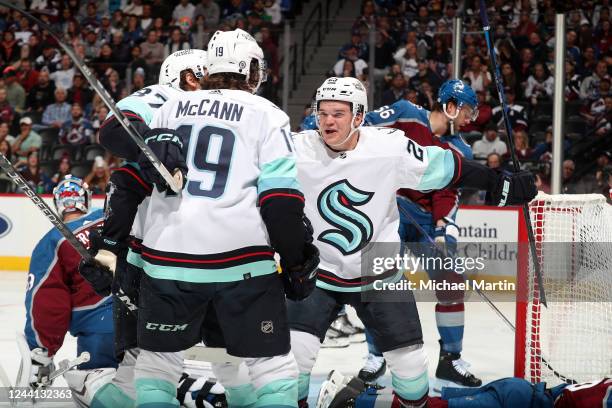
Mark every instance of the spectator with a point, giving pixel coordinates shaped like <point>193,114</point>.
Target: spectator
<point>485,113</point>
<point>490,143</point>
<point>99,176</point>
<point>539,85</point>
<point>233,7</point>
<point>138,79</point>
<point>5,149</point>
<point>49,58</point>
<point>358,64</point>
<point>152,51</point>
<point>539,49</point>
<point>98,118</point>
<point>63,169</point>
<point>183,9</point>
<point>34,45</point>
<point>521,146</point>
<point>64,73</point>
<point>9,48</point>
<point>105,29</point>
<point>412,95</point>
<point>146,21</point>
<point>210,10</point>
<point>104,61</point>
<point>4,133</point>
<point>7,114</point>
<point>80,92</point>
<point>440,51</point>
<point>426,96</point>
<point>478,74</point>
<point>362,47</point>
<point>543,177</point>
<point>589,62</point>
<point>406,57</point>
<point>42,94</point>
<point>133,33</point>
<point>137,61</point>
<point>494,161</point>
<point>526,65</point>
<point>57,113</point>
<point>26,75</point>
<point>33,175</point>
<point>92,43</point>
<point>134,8</point>
<point>425,74</point>
<point>15,94</point>
<point>395,92</point>
<point>77,130</point>
<point>517,114</point>
<point>91,18</point>
<point>570,184</point>
<point>121,51</point>
<point>26,142</point>
<point>573,81</point>
<point>348,69</point>
<point>524,28</point>
<point>590,86</point>
<point>176,42</point>
<point>113,84</point>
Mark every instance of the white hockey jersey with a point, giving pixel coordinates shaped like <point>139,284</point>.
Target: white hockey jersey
<point>350,198</point>
<point>239,148</point>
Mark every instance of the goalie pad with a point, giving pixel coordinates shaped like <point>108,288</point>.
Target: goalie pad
<point>85,383</point>
<point>35,366</point>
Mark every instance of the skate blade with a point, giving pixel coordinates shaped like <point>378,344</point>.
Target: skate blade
<point>440,383</point>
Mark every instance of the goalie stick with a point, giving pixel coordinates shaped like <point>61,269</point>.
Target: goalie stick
<point>431,241</point>
<point>175,182</point>
<point>515,162</point>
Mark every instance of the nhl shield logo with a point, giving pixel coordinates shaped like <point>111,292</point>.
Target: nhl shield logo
<point>267,327</point>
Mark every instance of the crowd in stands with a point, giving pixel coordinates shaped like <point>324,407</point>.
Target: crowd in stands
<point>413,57</point>
<point>49,115</point>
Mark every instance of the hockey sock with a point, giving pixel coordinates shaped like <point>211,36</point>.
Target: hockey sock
<point>156,393</point>
<point>450,321</point>
<point>111,396</point>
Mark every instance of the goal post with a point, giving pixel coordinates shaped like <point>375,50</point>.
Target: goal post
<point>571,339</point>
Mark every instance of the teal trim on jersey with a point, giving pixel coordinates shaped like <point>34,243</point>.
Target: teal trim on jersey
<point>136,105</point>
<point>279,393</point>
<point>279,173</point>
<point>303,384</point>
<point>135,259</point>
<point>155,393</point>
<point>232,274</point>
<point>241,396</point>
<point>277,182</point>
<point>440,170</point>
<point>109,395</point>
<point>410,388</point>
<point>131,163</point>
<point>370,286</point>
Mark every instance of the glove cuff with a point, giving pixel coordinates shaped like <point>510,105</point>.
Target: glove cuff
<point>41,357</point>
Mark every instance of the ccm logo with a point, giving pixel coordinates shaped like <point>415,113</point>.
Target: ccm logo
<point>166,327</point>
<point>5,225</point>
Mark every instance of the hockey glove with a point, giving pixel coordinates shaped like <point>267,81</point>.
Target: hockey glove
<point>446,237</point>
<point>42,366</point>
<point>513,189</point>
<point>300,280</point>
<point>168,147</point>
<point>99,270</point>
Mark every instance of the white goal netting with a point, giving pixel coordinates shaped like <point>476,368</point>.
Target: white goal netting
<point>573,335</point>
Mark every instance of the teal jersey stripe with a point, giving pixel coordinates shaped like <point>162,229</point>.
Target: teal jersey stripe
<point>440,170</point>
<point>136,105</point>
<point>279,173</point>
<point>155,393</point>
<point>363,288</point>
<point>241,396</point>
<point>303,385</point>
<point>411,388</point>
<point>232,274</point>
<point>135,259</point>
<point>109,395</point>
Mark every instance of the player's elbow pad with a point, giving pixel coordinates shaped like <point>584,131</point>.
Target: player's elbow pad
<point>284,217</point>
<point>115,139</point>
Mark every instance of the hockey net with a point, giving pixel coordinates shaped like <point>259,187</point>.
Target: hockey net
<point>571,339</point>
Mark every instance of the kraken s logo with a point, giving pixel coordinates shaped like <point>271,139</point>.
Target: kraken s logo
<point>354,229</point>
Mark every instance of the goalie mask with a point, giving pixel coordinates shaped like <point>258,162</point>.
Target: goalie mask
<point>70,195</point>
<point>347,89</point>
<point>233,52</point>
<point>175,63</point>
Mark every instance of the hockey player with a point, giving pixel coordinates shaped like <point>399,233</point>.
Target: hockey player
<point>208,252</point>
<point>58,299</point>
<point>349,175</point>
<point>435,212</point>
<point>340,391</point>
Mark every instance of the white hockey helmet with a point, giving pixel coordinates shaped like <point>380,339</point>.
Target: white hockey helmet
<point>70,195</point>
<point>347,89</point>
<point>177,62</point>
<point>233,52</point>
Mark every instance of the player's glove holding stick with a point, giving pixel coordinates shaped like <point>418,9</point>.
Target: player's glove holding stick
<point>169,149</point>
<point>99,270</point>
<point>512,189</point>
<point>445,236</point>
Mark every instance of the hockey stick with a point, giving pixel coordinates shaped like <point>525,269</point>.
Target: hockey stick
<point>515,162</point>
<point>175,184</point>
<point>431,241</point>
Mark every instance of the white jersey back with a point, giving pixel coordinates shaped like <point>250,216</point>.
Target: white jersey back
<point>239,146</point>
<point>350,196</point>
<point>145,103</point>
